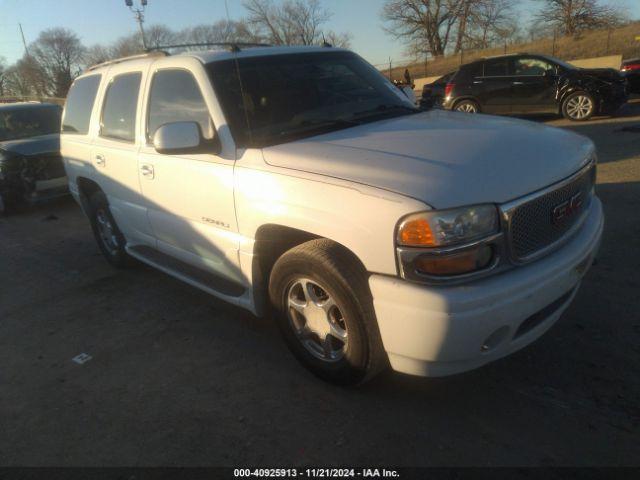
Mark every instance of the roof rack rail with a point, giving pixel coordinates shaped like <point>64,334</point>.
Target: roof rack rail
<point>147,54</point>
<point>233,46</point>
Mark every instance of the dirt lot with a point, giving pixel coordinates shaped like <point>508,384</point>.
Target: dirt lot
<point>179,378</point>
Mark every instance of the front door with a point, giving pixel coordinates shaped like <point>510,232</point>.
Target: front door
<point>189,197</point>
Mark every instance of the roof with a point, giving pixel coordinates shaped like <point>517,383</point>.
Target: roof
<point>507,55</point>
<point>217,55</point>
<point>208,56</point>
<point>25,105</point>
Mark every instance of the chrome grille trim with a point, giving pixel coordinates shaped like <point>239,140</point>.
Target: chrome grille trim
<point>510,209</point>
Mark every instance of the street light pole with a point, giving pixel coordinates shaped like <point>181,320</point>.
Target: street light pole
<point>138,13</point>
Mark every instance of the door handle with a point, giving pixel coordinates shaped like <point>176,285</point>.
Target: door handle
<point>100,160</point>
<point>477,81</point>
<point>147,170</point>
<point>517,83</point>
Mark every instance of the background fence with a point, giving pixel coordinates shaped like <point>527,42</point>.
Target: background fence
<point>596,43</point>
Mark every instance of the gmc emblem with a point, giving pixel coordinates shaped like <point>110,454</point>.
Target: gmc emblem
<point>561,213</point>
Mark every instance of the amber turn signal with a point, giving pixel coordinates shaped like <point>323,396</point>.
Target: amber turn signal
<point>456,263</point>
<point>417,233</point>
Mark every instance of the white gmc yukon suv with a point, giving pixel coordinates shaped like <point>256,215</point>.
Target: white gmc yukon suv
<point>300,183</point>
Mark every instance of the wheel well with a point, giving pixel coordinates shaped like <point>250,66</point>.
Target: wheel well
<point>271,242</point>
<point>86,187</point>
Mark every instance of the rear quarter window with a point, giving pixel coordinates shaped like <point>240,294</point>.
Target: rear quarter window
<point>80,100</point>
<point>496,67</point>
<point>469,72</point>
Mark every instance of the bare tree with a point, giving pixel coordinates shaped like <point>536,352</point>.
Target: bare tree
<point>573,16</point>
<point>3,76</point>
<point>293,22</point>
<point>221,31</point>
<point>97,54</point>
<point>159,35</point>
<point>58,55</point>
<point>126,46</point>
<point>492,21</point>
<point>341,40</point>
<point>426,26</point>
<point>24,78</point>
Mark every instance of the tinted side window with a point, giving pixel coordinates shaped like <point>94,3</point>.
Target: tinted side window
<point>175,97</point>
<point>495,68</point>
<point>532,67</point>
<point>119,108</point>
<point>77,110</point>
<point>469,72</point>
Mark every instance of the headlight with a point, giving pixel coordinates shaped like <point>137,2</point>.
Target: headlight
<point>438,228</point>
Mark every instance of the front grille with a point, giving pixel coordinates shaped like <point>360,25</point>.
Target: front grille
<point>533,225</point>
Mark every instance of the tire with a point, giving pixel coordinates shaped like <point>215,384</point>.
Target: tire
<point>317,290</point>
<point>467,106</point>
<point>578,106</point>
<point>106,232</point>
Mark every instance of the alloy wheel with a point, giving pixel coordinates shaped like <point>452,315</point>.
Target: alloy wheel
<point>107,232</point>
<point>579,107</point>
<point>317,320</point>
<point>466,107</point>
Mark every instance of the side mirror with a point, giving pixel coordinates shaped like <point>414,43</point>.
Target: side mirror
<point>181,138</point>
<point>410,94</point>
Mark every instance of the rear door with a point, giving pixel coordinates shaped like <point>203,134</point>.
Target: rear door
<point>533,85</point>
<point>114,153</point>
<point>494,87</point>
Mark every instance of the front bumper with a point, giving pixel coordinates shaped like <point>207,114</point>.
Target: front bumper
<point>438,331</point>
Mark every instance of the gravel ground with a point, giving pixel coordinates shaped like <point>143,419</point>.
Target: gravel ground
<point>179,378</point>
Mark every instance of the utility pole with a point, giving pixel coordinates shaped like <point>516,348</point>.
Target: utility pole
<point>24,42</point>
<point>138,13</point>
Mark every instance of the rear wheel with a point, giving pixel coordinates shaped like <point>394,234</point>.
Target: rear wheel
<point>110,240</point>
<point>578,106</point>
<point>324,309</point>
<point>467,106</point>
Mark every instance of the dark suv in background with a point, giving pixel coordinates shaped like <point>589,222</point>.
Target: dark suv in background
<point>525,83</point>
<point>31,167</point>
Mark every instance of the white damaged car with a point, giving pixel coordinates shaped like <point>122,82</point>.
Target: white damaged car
<point>300,183</point>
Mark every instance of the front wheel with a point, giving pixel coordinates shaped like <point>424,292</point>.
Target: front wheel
<point>578,106</point>
<point>324,309</point>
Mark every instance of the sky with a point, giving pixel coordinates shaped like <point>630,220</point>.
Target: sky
<point>103,21</point>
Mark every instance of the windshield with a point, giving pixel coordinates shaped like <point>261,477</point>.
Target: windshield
<point>279,98</point>
<point>25,122</point>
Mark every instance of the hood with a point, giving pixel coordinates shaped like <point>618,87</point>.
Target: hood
<point>33,145</point>
<point>446,159</point>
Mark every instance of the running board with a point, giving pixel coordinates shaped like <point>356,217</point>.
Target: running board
<point>197,277</point>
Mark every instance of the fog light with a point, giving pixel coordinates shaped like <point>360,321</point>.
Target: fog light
<point>455,263</point>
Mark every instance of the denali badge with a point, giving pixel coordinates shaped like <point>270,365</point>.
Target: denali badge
<point>565,210</point>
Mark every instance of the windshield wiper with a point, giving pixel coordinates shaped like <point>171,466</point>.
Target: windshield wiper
<point>386,108</point>
<point>307,125</point>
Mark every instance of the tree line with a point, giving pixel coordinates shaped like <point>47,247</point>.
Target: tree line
<point>437,27</point>
<point>428,28</point>
<point>57,56</point>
